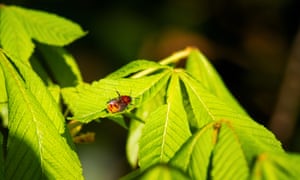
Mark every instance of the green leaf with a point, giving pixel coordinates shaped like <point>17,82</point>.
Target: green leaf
<point>119,119</point>
<point>36,86</point>
<point>40,70</point>
<point>89,102</point>
<point>3,96</point>
<point>166,129</point>
<point>196,96</point>
<point>132,147</point>
<point>194,156</point>
<point>48,97</point>
<point>36,149</point>
<point>160,171</point>
<point>135,130</point>
<point>3,100</point>
<point>133,67</point>
<point>273,166</point>
<point>163,172</point>
<point>201,69</point>
<point>1,158</point>
<point>228,160</point>
<point>13,37</point>
<point>214,152</point>
<point>61,64</point>
<point>208,108</point>
<point>55,92</point>
<point>47,28</point>
<point>4,114</point>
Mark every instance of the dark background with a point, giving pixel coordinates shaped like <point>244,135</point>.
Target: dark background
<point>249,42</point>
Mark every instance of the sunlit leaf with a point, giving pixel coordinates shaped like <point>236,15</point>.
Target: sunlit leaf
<point>228,159</point>
<point>132,147</point>
<point>194,156</point>
<point>133,67</point>
<point>160,171</point>
<point>214,152</point>
<point>273,166</point>
<point>166,129</point>
<point>135,130</point>
<point>201,69</point>
<point>55,92</point>
<point>163,172</point>
<point>89,102</point>
<point>13,37</point>
<point>42,94</point>
<point>3,100</point>
<point>47,28</point>
<point>35,149</point>
<point>208,108</point>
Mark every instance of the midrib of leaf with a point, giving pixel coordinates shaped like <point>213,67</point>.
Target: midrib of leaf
<point>174,105</point>
<point>43,96</point>
<point>201,100</point>
<point>21,97</point>
<point>194,95</point>
<point>166,128</point>
<point>164,135</point>
<point>27,103</point>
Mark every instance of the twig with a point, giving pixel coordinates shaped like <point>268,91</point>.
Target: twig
<point>283,120</point>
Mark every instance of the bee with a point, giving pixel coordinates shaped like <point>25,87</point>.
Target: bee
<point>118,104</point>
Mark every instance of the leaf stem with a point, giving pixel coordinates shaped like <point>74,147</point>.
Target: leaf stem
<point>177,56</point>
<point>174,58</point>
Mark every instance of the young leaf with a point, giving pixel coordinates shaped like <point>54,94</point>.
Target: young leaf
<point>196,96</point>
<point>207,108</point>
<point>165,130</point>
<point>214,152</point>
<point>135,130</point>
<point>42,94</point>
<point>35,147</point>
<point>13,37</point>
<point>61,64</point>
<point>132,147</point>
<point>193,157</point>
<point>164,172</point>
<point>47,28</point>
<point>133,67</point>
<point>269,166</point>
<point>201,69</point>
<point>228,159</point>
<point>89,102</point>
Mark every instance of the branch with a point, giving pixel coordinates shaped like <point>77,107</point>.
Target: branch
<point>283,121</point>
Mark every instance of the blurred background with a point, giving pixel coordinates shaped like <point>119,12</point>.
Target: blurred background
<point>252,43</point>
